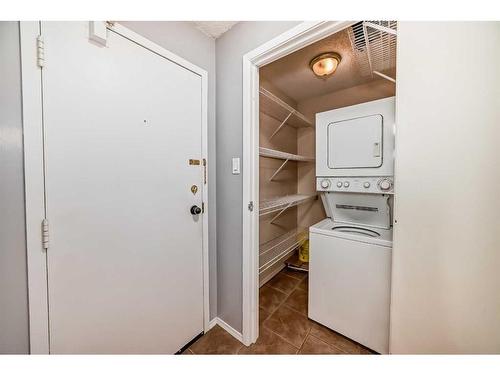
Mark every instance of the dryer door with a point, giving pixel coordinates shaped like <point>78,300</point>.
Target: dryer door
<point>355,143</point>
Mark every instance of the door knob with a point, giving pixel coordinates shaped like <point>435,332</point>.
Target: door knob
<point>195,210</point>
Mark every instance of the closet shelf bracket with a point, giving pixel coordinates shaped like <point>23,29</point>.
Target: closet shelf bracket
<point>281,125</point>
<point>279,169</point>
<point>280,213</point>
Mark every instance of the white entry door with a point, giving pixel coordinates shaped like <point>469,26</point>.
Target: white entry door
<point>121,122</point>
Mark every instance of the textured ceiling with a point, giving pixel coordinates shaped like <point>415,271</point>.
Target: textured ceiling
<point>214,29</point>
<point>292,75</point>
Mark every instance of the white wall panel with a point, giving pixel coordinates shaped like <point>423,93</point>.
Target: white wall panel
<point>446,264</point>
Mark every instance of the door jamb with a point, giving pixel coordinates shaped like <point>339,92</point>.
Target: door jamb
<point>33,143</point>
<point>296,38</point>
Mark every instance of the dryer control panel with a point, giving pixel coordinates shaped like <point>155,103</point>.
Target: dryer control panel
<point>374,185</point>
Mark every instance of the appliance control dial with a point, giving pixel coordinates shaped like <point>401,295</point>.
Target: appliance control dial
<point>325,184</point>
<point>346,184</point>
<point>339,184</point>
<point>385,184</point>
<point>366,185</point>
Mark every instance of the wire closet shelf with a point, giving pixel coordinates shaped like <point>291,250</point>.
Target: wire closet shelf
<point>281,204</point>
<point>374,43</point>
<point>279,248</point>
<point>276,108</point>
<point>275,154</point>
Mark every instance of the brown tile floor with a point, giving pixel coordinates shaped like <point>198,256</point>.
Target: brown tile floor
<point>284,325</point>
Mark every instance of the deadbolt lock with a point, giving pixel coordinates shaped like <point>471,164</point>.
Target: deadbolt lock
<point>194,189</point>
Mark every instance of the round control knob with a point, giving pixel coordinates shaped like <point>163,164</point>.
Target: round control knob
<point>366,185</point>
<point>339,184</point>
<point>346,184</point>
<point>385,184</point>
<point>325,184</point>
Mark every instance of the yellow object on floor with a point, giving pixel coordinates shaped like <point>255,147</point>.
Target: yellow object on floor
<point>304,247</point>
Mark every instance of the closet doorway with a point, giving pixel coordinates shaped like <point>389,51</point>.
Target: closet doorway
<point>123,266</point>
<point>280,197</point>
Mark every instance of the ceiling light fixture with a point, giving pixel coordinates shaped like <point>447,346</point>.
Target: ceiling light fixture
<point>326,64</point>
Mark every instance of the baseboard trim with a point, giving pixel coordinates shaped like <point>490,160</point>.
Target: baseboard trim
<point>211,324</point>
<point>237,335</point>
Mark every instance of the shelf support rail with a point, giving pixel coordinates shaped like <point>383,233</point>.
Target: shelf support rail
<point>279,213</point>
<point>279,169</point>
<point>384,76</point>
<point>282,124</point>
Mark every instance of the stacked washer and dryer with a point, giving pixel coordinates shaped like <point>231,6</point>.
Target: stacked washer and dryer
<point>350,250</point>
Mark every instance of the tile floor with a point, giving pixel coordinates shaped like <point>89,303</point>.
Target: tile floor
<point>284,326</point>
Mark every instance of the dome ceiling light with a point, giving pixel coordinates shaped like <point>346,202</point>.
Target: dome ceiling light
<point>326,64</point>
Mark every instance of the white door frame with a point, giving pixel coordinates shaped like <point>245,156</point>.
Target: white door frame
<point>296,38</point>
<point>34,176</point>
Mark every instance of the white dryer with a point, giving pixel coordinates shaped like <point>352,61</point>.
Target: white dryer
<point>357,140</point>
<point>350,267</point>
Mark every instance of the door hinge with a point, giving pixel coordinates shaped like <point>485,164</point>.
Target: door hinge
<point>250,206</point>
<point>40,51</point>
<point>204,171</point>
<point>202,207</point>
<point>45,234</point>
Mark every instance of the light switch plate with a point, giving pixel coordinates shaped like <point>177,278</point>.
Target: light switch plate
<point>236,165</point>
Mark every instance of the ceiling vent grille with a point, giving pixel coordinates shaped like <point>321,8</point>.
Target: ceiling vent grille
<point>374,45</point>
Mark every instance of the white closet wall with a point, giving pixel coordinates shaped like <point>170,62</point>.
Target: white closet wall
<point>446,257</point>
